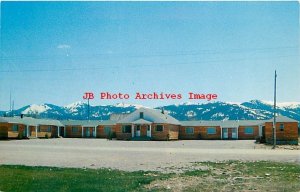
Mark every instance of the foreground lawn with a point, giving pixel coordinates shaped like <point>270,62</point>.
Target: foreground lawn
<point>208,176</point>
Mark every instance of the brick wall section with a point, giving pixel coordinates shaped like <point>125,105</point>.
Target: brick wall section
<point>100,130</point>
<point>32,131</point>
<point>14,134</point>
<point>173,132</point>
<point>44,131</point>
<point>69,132</point>
<point>242,134</point>
<point>160,135</point>
<point>3,130</point>
<point>170,132</point>
<point>200,132</point>
<point>290,132</point>
<point>120,134</point>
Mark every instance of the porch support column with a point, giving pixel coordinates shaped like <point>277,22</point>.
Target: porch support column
<point>237,133</point>
<point>58,131</point>
<point>82,131</point>
<point>95,132</point>
<point>221,133</point>
<point>27,131</point>
<point>132,130</point>
<point>150,130</point>
<point>65,131</point>
<point>36,129</point>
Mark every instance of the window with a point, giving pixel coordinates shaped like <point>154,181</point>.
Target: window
<point>107,130</point>
<point>211,130</point>
<point>138,127</point>
<point>126,128</point>
<point>189,130</point>
<point>15,128</point>
<point>248,130</point>
<point>141,115</point>
<point>159,128</point>
<point>38,129</point>
<point>281,126</point>
<point>49,129</point>
<point>74,129</point>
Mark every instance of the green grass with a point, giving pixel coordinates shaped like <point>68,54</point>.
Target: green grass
<point>222,176</point>
<point>23,178</point>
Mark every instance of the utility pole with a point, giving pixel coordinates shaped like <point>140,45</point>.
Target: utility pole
<point>10,112</point>
<point>88,108</point>
<point>12,109</point>
<point>274,115</point>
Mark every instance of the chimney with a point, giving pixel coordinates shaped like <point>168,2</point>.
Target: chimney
<point>162,111</point>
<point>22,115</point>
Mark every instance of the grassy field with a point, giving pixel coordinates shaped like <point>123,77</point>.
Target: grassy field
<point>208,176</point>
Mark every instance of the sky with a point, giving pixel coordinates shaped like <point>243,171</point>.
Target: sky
<point>54,52</point>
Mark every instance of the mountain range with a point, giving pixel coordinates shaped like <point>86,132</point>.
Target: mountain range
<point>254,109</point>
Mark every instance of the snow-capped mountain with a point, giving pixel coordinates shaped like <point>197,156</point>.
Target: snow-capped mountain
<point>254,109</point>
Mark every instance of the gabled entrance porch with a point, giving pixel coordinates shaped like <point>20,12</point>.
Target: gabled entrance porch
<point>141,129</point>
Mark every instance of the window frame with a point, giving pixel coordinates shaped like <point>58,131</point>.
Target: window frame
<point>124,127</point>
<point>105,130</point>
<point>15,128</point>
<point>141,115</point>
<point>75,128</point>
<point>190,128</point>
<point>281,127</point>
<point>162,128</point>
<point>49,129</point>
<point>211,128</point>
<point>248,133</point>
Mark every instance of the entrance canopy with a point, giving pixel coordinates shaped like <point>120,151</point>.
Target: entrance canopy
<point>142,122</point>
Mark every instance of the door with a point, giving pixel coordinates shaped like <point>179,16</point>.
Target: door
<point>62,132</point>
<point>225,133</point>
<point>3,132</point>
<point>138,131</point>
<point>148,131</point>
<point>263,133</point>
<point>87,132</point>
<point>234,133</point>
<point>25,132</point>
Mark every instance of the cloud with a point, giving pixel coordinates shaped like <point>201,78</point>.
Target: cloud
<point>63,46</point>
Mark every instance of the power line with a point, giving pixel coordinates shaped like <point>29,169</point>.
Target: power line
<point>105,66</point>
<point>128,55</point>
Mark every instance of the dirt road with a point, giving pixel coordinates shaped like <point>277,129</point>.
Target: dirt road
<point>133,155</point>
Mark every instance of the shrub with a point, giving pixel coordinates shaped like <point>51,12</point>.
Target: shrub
<point>199,136</point>
<point>46,136</point>
<point>20,135</point>
<point>257,139</point>
<point>111,135</point>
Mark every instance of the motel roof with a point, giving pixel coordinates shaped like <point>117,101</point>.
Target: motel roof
<point>30,121</point>
<point>224,123</point>
<point>141,121</point>
<point>281,118</point>
<point>87,123</point>
<point>149,115</point>
<point>236,123</point>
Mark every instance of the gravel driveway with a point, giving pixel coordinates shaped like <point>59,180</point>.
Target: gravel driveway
<point>134,155</point>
